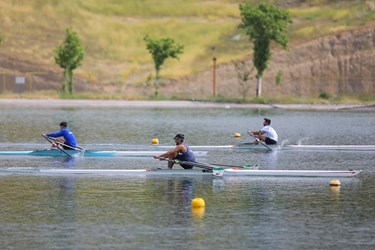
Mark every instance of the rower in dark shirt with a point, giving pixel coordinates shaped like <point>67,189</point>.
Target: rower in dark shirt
<point>181,152</point>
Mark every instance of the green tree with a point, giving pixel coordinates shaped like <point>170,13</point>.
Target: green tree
<point>162,49</point>
<point>264,23</point>
<point>69,56</point>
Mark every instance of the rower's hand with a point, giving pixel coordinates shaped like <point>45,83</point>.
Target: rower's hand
<point>250,133</point>
<point>156,157</point>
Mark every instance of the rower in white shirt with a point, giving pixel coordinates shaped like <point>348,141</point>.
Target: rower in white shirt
<point>266,134</point>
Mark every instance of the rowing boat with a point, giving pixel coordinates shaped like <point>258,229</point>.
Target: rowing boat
<point>297,147</point>
<point>93,153</point>
<point>187,172</point>
<point>332,147</point>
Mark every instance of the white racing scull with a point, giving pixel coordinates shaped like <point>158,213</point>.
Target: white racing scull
<point>186,172</point>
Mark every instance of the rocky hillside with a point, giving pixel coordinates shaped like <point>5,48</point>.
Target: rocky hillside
<point>342,63</point>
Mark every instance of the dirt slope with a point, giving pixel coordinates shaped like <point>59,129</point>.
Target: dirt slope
<point>336,64</point>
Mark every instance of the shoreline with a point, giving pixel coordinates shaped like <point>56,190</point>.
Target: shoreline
<point>64,103</point>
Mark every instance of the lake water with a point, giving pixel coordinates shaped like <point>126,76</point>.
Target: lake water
<point>111,212</point>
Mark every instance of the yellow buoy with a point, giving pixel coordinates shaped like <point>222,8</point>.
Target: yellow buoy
<point>197,202</point>
<point>155,141</point>
<point>197,212</point>
<point>335,183</point>
<point>237,135</point>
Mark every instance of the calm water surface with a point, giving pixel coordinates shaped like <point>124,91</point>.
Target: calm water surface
<point>96,212</point>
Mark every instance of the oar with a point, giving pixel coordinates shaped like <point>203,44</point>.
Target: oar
<point>194,164</point>
<point>68,146</point>
<point>207,165</point>
<point>233,166</point>
<point>58,146</point>
<point>260,141</point>
<point>77,148</point>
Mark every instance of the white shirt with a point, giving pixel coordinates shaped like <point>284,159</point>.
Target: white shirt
<point>269,132</point>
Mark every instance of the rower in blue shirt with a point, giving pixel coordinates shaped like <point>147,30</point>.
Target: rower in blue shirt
<point>69,141</point>
<point>181,152</point>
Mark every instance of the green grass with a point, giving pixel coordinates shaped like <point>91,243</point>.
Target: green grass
<point>362,99</point>
<point>113,32</point>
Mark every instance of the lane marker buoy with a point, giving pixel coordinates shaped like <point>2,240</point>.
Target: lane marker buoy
<point>335,183</point>
<point>155,141</point>
<point>237,135</point>
<point>197,202</point>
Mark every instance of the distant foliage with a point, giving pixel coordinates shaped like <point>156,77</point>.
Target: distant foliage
<point>69,56</point>
<point>324,96</point>
<point>1,40</point>
<point>162,49</point>
<point>278,78</point>
<point>244,76</point>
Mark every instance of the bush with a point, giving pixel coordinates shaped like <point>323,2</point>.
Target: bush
<point>324,96</point>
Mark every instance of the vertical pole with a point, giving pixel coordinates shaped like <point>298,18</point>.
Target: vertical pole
<point>3,82</point>
<point>30,76</point>
<point>214,77</point>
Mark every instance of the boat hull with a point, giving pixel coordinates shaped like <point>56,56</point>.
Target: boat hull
<point>89,153</point>
<point>331,147</point>
<point>190,172</point>
<point>296,147</point>
<point>290,173</point>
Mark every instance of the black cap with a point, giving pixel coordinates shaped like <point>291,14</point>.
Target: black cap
<point>179,136</point>
<point>63,124</point>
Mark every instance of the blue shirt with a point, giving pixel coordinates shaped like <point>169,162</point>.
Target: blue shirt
<point>187,156</point>
<point>68,136</point>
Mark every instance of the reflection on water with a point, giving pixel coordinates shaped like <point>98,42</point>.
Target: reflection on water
<point>86,212</point>
<point>64,162</point>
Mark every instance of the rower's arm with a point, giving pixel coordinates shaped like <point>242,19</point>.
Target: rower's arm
<point>254,132</point>
<point>171,152</point>
<point>56,134</point>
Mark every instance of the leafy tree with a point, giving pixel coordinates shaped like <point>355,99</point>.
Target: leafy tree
<point>69,56</point>
<point>162,49</point>
<point>264,23</point>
